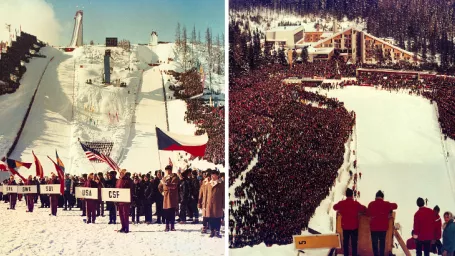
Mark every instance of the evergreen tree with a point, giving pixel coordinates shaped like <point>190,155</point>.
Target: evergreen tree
<point>282,57</point>
<point>304,54</point>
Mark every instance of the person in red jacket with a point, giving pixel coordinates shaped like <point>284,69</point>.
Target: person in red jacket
<point>54,197</point>
<point>30,197</point>
<point>379,212</point>
<point>349,210</point>
<point>437,245</point>
<point>91,203</point>
<point>124,208</point>
<point>424,225</point>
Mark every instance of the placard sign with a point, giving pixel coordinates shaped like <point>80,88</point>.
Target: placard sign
<point>317,241</point>
<point>10,189</point>
<point>116,195</point>
<point>50,189</point>
<point>28,189</point>
<point>87,193</point>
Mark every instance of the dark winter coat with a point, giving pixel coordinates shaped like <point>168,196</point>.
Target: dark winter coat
<point>379,211</point>
<point>147,188</point>
<point>185,191</point>
<point>138,194</point>
<point>448,237</point>
<point>350,211</point>
<point>157,196</point>
<point>195,187</point>
<point>424,224</point>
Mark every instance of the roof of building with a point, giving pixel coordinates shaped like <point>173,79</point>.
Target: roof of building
<point>285,28</point>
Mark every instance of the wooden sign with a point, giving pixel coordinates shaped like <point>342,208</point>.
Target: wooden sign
<point>116,195</point>
<point>87,193</point>
<point>9,189</point>
<point>317,241</point>
<point>50,189</point>
<point>28,189</point>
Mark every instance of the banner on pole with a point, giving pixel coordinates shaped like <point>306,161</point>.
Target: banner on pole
<point>87,193</point>
<point>28,189</point>
<point>10,189</point>
<point>51,189</point>
<point>116,195</point>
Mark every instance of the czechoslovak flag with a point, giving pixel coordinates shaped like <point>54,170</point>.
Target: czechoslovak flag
<point>195,145</point>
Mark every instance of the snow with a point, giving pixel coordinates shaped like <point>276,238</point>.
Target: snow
<point>67,108</point>
<point>399,150</point>
<point>38,233</point>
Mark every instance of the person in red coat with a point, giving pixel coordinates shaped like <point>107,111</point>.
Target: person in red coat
<point>124,208</point>
<point>12,196</point>
<point>424,226</point>
<point>91,204</point>
<point>349,210</point>
<point>30,198</point>
<point>54,197</point>
<point>379,212</point>
<point>437,245</point>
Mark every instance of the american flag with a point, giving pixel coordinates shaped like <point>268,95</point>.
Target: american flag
<point>94,155</point>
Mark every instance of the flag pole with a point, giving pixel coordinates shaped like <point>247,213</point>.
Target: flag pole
<point>157,145</point>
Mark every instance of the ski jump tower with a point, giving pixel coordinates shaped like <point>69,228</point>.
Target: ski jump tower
<point>77,39</point>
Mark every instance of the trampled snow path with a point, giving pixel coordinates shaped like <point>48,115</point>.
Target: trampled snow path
<point>48,127</point>
<point>38,233</point>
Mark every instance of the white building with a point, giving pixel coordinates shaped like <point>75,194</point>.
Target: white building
<point>154,39</point>
<point>285,36</point>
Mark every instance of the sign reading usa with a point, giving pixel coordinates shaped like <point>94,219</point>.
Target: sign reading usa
<point>87,193</point>
<point>116,195</point>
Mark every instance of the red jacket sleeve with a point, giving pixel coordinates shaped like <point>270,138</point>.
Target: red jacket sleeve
<point>336,207</point>
<point>393,206</point>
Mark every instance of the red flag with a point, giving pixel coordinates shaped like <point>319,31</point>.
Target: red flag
<point>3,166</point>
<point>39,167</point>
<point>60,175</point>
<point>14,172</point>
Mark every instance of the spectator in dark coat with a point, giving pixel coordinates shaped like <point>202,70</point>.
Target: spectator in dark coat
<point>184,196</point>
<point>110,183</point>
<point>67,194</point>
<point>350,211</point>
<point>102,184</point>
<point>158,197</point>
<point>137,200</point>
<point>148,198</point>
<point>424,223</point>
<point>379,212</point>
<point>195,186</point>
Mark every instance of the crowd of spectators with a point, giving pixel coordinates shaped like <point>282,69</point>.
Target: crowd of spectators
<point>11,69</point>
<point>208,120</point>
<point>298,146</point>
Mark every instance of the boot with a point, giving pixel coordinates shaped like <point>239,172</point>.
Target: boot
<point>204,230</point>
<point>218,234</point>
<point>212,233</point>
<point>196,221</point>
<point>167,228</point>
<point>172,227</point>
